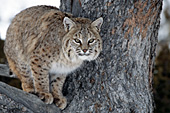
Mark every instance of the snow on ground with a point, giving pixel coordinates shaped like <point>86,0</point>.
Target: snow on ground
<point>9,8</point>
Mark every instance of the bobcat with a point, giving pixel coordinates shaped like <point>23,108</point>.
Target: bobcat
<point>44,44</point>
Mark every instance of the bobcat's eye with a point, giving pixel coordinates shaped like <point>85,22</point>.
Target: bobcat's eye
<point>91,41</point>
<point>77,40</point>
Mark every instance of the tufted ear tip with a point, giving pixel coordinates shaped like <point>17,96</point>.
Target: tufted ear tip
<point>98,23</point>
<point>68,23</point>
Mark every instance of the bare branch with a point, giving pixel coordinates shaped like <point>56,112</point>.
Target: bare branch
<point>16,100</point>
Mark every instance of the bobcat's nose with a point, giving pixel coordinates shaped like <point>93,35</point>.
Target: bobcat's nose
<point>84,50</point>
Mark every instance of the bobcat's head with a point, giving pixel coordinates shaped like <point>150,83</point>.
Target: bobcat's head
<point>82,39</point>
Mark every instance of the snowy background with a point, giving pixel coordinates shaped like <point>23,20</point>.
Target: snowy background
<point>165,22</point>
<point>9,8</point>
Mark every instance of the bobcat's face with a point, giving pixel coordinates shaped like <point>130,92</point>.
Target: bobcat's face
<point>84,40</point>
<point>86,45</point>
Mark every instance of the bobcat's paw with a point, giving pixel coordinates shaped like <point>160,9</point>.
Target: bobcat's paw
<point>28,88</point>
<point>60,102</point>
<point>46,97</point>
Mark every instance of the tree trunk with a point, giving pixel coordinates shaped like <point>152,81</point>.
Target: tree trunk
<point>120,80</point>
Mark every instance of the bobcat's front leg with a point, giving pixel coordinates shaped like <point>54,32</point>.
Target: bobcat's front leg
<point>56,89</point>
<point>41,80</point>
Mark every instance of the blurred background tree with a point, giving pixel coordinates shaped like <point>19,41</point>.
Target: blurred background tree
<point>162,63</point>
<point>2,55</point>
<point>162,81</point>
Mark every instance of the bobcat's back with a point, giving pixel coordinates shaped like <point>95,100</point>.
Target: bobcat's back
<point>30,27</point>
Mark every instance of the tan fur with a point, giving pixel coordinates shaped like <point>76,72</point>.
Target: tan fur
<point>44,44</point>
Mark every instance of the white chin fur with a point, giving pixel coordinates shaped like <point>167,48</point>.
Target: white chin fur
<point>85,57</point>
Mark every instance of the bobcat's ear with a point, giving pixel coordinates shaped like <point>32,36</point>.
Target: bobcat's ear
<point>68,23</point>
<point>98,23</point>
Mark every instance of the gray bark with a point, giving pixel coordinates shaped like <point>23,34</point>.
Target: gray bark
<point>120,80</point>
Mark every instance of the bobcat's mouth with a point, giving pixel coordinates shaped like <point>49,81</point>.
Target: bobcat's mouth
<point>83,54</point>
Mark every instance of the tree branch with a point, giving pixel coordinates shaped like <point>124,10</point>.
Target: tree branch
<point>15,100</point>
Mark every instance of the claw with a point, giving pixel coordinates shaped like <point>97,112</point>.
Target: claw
<point>46,97</point>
